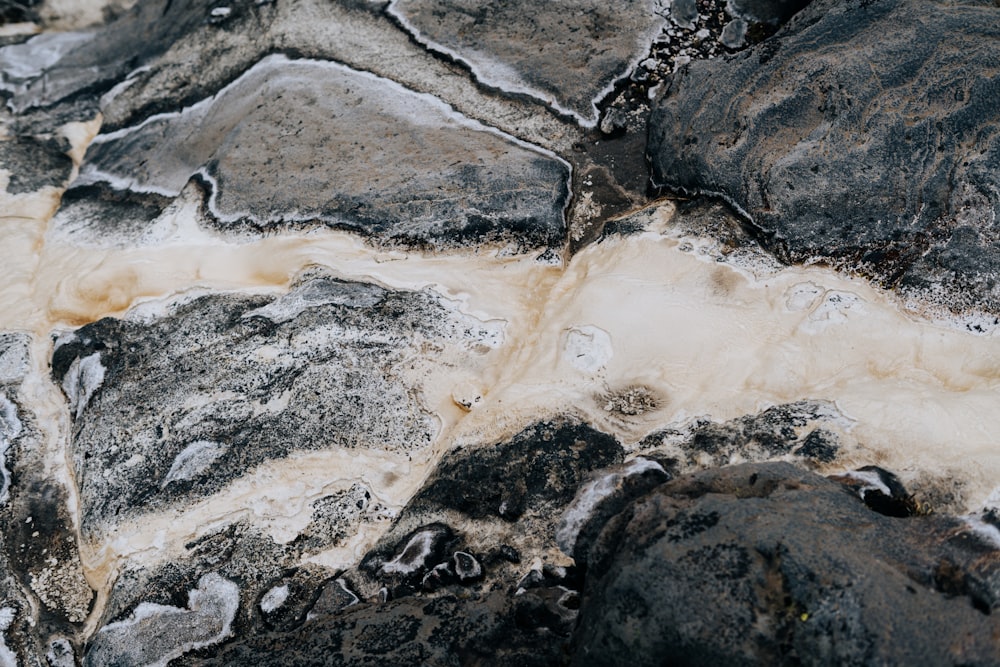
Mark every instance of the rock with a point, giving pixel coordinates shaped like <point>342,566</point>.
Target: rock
<point>44,594</point>
<point>334,146</point>
<point>545,51</point>
<point>173,408</point>
<point>601,498</point>
<point>34,163</point>
<point>54,67</point>
<point>766,563</point>
<point>835,145</point>
<point>482,507</point>
<point>155,634</point>
<point>804,429</point>
<point>495,629</point>
<point>734,34</point>
<point>765,11</point>
<point>335,597</point>
<point>417,552</point>
<point>684,13</point>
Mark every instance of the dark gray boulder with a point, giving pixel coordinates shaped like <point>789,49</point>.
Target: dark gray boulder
<point>447,583</point>
<point>862,133</point>
<point>767,564</point>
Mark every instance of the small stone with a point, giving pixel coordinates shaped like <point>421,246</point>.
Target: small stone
<point>614,121</point>
<point>684,13</point>
<point>467,568</point>
<point>734,34</point>
<point>418,551</point>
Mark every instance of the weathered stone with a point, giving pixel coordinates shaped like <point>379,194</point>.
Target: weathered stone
<point>53,67</point>
<point>173,408</point>
<point>484,505</point>
<point>155,633</point>
<point>34,163</point>
<point>601,498</point>
<point>765,563</point>
<point>495,629</point>
<point>792,429</point>
<point>863,132</point>
<point>765,11</point>
<point>305,143</point>
<point>44,595</point>
<point>545,51</point>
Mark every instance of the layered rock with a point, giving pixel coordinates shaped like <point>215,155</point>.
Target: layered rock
<point>862,134</point>
<point>176,407</point>
<point>44,595</point>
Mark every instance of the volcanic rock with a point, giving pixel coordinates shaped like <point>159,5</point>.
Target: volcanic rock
<point>175,407</point>
<point>863,133</point>
<point>767,564</point>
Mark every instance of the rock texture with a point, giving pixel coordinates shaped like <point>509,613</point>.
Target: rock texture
<point>300,143</point>
<point>453,579</point>
<point>757,564</point>
<point>349,332</point>
<point>862,133</point>
<point>175,408</point>
<point>544,51</point>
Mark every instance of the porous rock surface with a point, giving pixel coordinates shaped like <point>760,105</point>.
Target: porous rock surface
<point>173,408</point>
<point>453,579</point>
<point>767,564</point>
<point>863,133</point>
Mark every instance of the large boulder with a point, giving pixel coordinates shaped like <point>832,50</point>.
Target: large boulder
<point>768,564</point>
<point>866,133</point>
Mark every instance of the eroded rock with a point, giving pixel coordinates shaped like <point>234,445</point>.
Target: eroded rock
<point>173,408</point>
<point>545,51</point>
<point>155,634</point>
<point>299,143</point>
<point>688,573</point>
<point>863,133</point>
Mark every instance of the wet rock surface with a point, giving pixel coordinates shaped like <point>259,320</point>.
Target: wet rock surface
<point>862,134</point>
<point>765,563</point>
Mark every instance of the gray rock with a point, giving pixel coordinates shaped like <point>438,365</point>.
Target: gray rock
<point>734,34</point>
<point>684,13</point>
<point>205,393</point>
<point>601,498</point>
<point>34,163</point>
<point>544,50</point>
<point>305,143</point>
<point>52,67</point>
<point>483,506</point>
<point>765,11</point>
<point>493,629</point>
<point>44,596</point>
<point>801,429</point>
<point>155,634</point>
<point>863,133</point>
<point>767,564</point>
